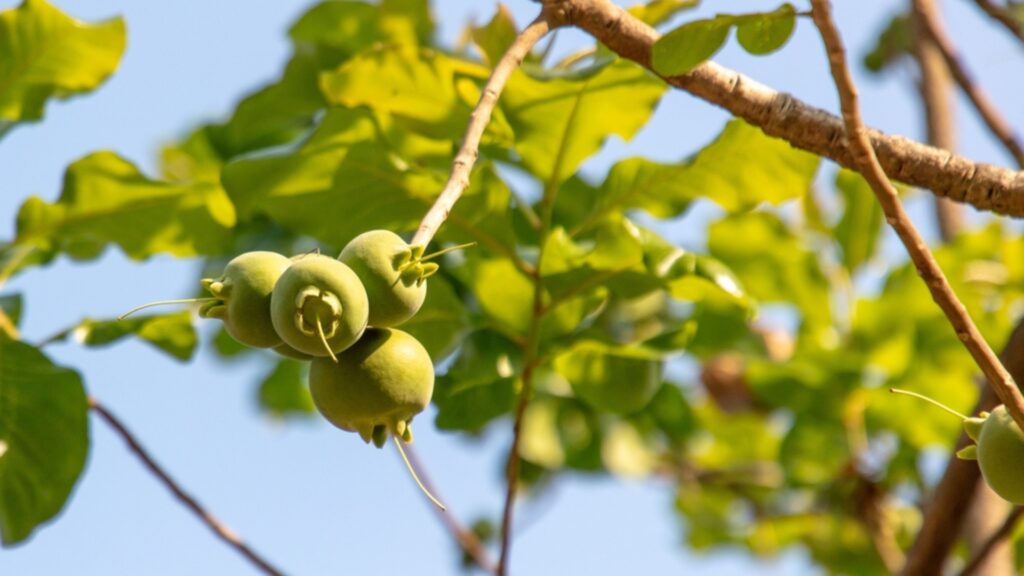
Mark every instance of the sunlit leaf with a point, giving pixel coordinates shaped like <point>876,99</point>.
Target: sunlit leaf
<point>106,199</point>
<point>480,386</point>
<point>858,230</point>
<point>44,438</point>
<point>620,380</point>
<point>170,333</point>
<point>284,392</point>
<point>44,54</point>
<point>657,11</point>
<point>764,33</point>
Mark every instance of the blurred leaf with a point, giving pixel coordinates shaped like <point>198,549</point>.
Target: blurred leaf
<point>620,380</point>
<point>894,42</point>
<point>107,200</point>
<point>345,26</point>
<point>44,54</point>
<point>441,320</point>
<point>480,385</point>
<point>284,391</point>
<point>170,333</point>
<point>858,230</point>
<point>494,38</point>
<point>560,122</point>
<point>226,346</point>
<point>773,264</point>
<point>658,11</point>
<point>44,438</point>
<point>683,49</point>
<point>814,450</point>
<point>625,452</point>
<point>12,306</point>
<point>505,294</point>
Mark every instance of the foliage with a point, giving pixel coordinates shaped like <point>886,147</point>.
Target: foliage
<point>358,132</point>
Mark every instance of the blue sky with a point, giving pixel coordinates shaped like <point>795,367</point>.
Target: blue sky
<point>312,499</point>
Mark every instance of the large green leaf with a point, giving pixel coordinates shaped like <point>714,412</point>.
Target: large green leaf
<point>284,392</point>
<point>621,380</point>
<point>107,200</point>
<point>560,122</point>
<point>44,54</point>
<point>170,333</point>
<point>480,386</point>
<point>44,438</point>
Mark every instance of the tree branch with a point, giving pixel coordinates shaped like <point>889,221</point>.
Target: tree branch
<point>944,515</point>
<point>1003,16</point>
<point>985,107</point>
<point>218,527</point>
<point>458,180</point>
<point>998,536</point>
<point>984,186</point>
<point>933,277</point>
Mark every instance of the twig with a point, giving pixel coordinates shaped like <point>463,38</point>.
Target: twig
<point>985,107</point>
<point>998,536</point>
<point>458,180</point>
<point>1003,16</point>
<point>1000,380</point>
<point>466,540</point>
<point>218,527</point>
<point>984,186</point>
<point>512,470</point>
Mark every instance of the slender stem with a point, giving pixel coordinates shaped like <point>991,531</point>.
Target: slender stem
<point>998,536</point>
<point>323,339</point>
<point>458,181</point>
<point>995,121</point>
<point>931,401</point>
<point>468,541</point>
<point>165,303</point>
<point>803,126</point>
<point>415,476</point>
<point>218,527</point>
<point>933,277</point>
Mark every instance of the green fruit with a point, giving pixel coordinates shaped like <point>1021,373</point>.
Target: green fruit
<point>392,273</point>
<point>242,297</point>
<point>999,452</point>
<point>319,306</point>
<point>377,385</point>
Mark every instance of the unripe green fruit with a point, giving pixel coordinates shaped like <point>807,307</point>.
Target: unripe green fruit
<point>999,452</point>
<point>319,306</point>
<point>392,273</point>
<point>243,294</point>
<point>377,385</point>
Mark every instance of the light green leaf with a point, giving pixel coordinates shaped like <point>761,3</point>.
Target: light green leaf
<point>494,38</point>
<point>339,24</point>
<point>480,385</point>
<point>44,54</point>
<point>107,200</point>
<point>764,33</point>
<point>682,49</point>
<point>44,438</point>
<point>558,123</point>
<point>814,450</point>
<point>657,11</point>
<point>170,333</point>
<point>284,392</point>
<point>504,293</point>
<point>621,380</point>
<point>894,42</point>
<point>857,232</point>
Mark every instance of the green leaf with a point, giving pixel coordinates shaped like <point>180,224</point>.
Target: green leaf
<point>504,293</point>
<point>44,54</point>
<point>560,122</point>
<point>621,380</point>
<point>12,306</point>
<point>170,333</point>
<point>684,48</point>
<point>858,230</point>
<point>107,200</point>
<point>284,393</point>
<point>658,11</point>
<point>814,450</point>
<point>44,438</point>
<point>764,33</point>
<point>480,385</point>
<point>894,42</point>
<point>441,321</point>
<point>339,24</point>
<point>494,38</point>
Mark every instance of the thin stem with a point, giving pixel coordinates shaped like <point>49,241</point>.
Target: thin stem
<point>931,401</point>
<point>412,472</point>
<point>995,121</point>
<point>166,303</point>
<point>444,251</point>
<point>466,539</point>
<point>218,527</point>
<point>1003,16</point>
<point>458,181</point>
<point>323,339</point>
<point>933,277</point>
<point>998,536</point>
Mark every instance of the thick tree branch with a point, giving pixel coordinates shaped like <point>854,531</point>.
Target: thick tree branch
<point>994,540</point>
<point>1003,16</point>
<point>462,166</point>
<point>985,107</point>
<point>984,186</point>
<point>218,527</point>
<point>944,515</point>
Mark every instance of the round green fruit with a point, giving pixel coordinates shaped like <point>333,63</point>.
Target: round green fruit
<point>319,306</point>
<point>242,297</point>
<point>999,451</point>
<point>392,273</point>
<point>376,387</point>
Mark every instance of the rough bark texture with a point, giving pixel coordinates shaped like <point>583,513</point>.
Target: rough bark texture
<point>781,115</point>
